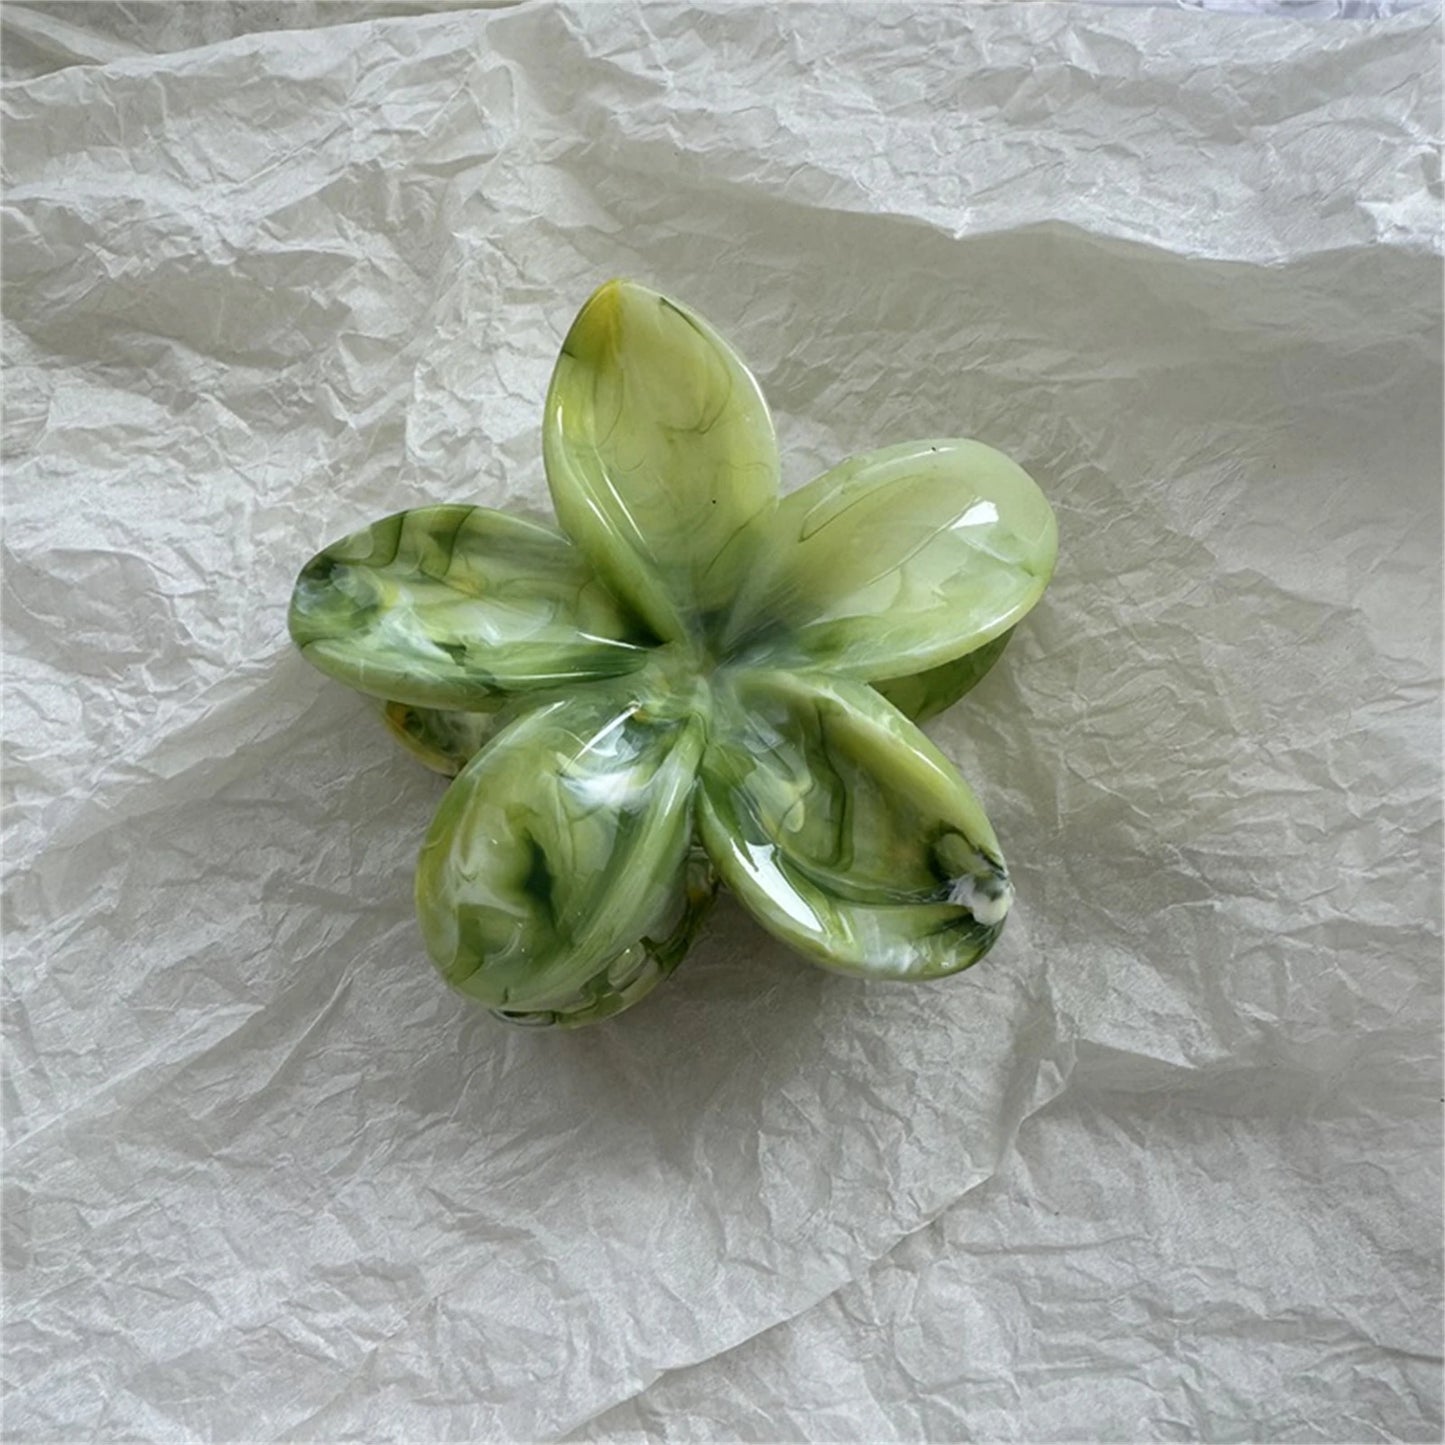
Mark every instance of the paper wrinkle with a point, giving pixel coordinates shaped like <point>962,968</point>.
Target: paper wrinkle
<point>1219,1331</point>
<point>1165,1164</point>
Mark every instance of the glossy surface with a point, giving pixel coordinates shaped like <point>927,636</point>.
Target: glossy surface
<point>897,561</point>
<point>636,971</point>
<point>552,878</point>
<point>840,826</point>
<point>450,606</point>
<point>684,694</point>
<point>660,455</point>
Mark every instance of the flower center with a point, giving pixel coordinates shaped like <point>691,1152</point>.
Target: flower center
<point>674,684</point>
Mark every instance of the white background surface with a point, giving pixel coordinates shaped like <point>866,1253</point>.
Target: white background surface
<point>1165,1166</point>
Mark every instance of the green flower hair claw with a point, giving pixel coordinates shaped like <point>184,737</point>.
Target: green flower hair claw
<point>705,683</point>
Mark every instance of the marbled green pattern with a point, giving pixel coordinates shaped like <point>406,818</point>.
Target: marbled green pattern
<point>553,872</point>
<point>444,606</point>
<point>660,455</point>
<point>703,683</point>
<point>841,827</point>
<point>897,561</point>
<point>636,971</point>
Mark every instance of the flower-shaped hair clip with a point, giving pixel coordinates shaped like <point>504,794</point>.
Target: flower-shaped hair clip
<point>705,682</point>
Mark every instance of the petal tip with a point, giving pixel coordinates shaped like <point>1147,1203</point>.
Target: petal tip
<point>988,898</point>
<point>598,325</point>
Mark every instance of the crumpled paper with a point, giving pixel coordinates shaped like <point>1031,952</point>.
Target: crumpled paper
<point>1165,1165</point>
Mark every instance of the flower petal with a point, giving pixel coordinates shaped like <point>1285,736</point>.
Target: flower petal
<point>446,741</point>
<point>845,832</point>
<point>923,695</point>
<point>898,561</point>
<point>660,455</point>
<point>448,606</point>
<point>552,881</point>
<point>636,971</point>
